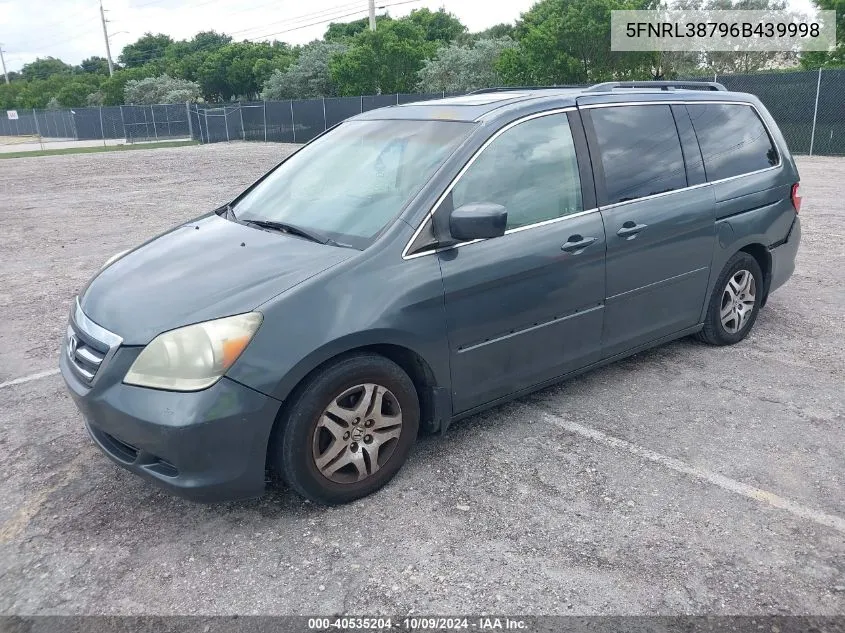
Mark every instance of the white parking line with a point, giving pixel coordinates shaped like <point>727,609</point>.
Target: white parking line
<point>726,483</point>
<point>38,376</point>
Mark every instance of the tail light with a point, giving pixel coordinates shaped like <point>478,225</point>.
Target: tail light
<point>796,198</point>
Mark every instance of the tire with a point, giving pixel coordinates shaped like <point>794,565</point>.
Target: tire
<point>328,457</point>
<point>735,302</point>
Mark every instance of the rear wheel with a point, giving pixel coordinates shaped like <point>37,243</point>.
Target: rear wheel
<point>349,429</point>
<point>735,301</point>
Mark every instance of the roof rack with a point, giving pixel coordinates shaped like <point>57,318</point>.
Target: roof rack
<point>663,85</point>
<point>516,88</point>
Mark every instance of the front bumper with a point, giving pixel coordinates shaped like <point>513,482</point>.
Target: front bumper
<point>208,445</point>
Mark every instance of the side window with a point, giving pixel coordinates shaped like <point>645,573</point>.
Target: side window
<point>732,138</point>
<point>640,151</point>
<point>530,169</point>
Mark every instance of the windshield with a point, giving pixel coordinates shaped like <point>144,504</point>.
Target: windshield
<point>350,183</point>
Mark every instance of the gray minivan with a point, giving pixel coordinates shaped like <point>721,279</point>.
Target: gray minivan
<point>419,263</point>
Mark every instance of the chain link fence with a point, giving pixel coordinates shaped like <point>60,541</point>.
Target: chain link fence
<point>125,124</point>
<point>294,121</point>
<point>809,107</point>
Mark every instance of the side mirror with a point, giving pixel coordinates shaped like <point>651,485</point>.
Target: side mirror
<point>478,220</point>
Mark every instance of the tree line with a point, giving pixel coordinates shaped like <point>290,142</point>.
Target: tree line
<point>554,42</point>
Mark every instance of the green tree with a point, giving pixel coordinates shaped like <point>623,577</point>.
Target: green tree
<point>45,67</point>
<point>344,31</point>
<point>162,89</point>
<point>568,41</point>
<point>497,31</point>
<point>113,87</point>
<point>836,57</point>
<point>185,57</point>
<point>95,65</point>
<point>437,26</point>
<point>146,49</point>
<point>382,61</point>
<point>309,76</point>
<point>9,94</point>
<point>74,93</point>
<point>458,68</point>
<point>239,69</point>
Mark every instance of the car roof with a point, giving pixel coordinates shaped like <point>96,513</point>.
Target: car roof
<point>495,101</point>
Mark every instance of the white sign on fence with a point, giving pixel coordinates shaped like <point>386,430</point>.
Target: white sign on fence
<point>12,114</point>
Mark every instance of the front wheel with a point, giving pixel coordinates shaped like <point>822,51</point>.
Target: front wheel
<point>349,429</point>
<point>735,301</point>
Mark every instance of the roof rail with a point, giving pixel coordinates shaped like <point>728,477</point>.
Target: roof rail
<point>663,85</point>
<point>515,88</point>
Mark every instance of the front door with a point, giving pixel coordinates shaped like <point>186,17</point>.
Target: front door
<point>660,229</point>
<point>525,307</point>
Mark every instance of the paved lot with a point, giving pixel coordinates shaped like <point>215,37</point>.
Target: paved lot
<point>687,479</point>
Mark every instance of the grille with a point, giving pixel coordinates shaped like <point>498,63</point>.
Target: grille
<point>85,355</point>
<point>87,345</point>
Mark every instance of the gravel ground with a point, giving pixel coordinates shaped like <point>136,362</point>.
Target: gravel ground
<point>684,480</point>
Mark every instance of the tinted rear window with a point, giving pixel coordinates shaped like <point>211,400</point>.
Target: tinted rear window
<point>732,138</point>
<point>640,151</point>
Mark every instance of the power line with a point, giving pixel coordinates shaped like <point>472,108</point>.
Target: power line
<point>310,18</point>
<point>294,20</point>
<point>304,26</point>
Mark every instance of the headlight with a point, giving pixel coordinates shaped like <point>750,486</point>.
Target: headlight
<point>114,258</point>
<point>193,357</point>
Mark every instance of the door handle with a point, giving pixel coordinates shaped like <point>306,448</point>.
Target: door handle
<point>576,243</point>
<point>630,229</point>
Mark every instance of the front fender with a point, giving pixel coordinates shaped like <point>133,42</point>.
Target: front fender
<point>383,300</point>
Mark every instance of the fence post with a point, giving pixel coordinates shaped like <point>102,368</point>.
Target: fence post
<point>123,124</point>
<point>397,98</point>
<point>714,77</point>
<point>325,121</point>
<point>815,111</point>
<point>199,123</point>
<point>264,107</point>
<point>226,121</point>
<point>153,115</point>
<point>205,115</point>
<point>292,122</point>
<point>241,110</point>
<point>102,129</point>
<point>190,123</point>
<point>37,129</point>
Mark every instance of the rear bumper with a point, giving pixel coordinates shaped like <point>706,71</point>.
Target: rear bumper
<point>206,446</point>
<point>783,257</point>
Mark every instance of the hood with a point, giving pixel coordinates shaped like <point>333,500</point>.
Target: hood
<point>206,269</point>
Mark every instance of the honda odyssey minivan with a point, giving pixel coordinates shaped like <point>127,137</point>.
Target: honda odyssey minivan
<point>419,263</point>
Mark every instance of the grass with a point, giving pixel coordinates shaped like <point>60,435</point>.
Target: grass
<point>94,150</point>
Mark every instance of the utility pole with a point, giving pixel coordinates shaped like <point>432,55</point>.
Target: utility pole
<point>3,62</point>
<point>372,15</point>
<point>106,36</point>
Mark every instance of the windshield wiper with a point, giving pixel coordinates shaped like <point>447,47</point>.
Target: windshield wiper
<point>292,229</point>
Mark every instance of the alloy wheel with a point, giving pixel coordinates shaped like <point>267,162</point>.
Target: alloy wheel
<point>738,301</point>
<point>357,433</point>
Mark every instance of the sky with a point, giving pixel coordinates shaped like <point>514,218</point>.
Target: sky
<point>71,29</point>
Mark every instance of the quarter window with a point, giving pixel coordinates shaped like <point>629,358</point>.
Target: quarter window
<point>640,151</point>
<point>732,138</point>
<point>530,169</point>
